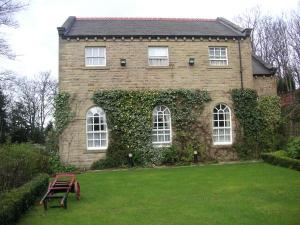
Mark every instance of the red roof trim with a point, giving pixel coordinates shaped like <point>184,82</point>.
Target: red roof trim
<point>147,19</point>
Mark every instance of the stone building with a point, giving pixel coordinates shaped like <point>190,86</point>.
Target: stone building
<point>154,53</point>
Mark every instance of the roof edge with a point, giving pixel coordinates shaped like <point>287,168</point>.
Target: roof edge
<point>148,19</point>
<point>66,26</point>
<point>269,67</point>
<point>241,31</point>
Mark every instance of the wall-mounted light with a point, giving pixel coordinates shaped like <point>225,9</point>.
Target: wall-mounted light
<point>123,62</point>
<point>191,61</point>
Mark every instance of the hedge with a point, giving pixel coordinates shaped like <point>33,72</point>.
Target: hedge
<point>19,163</point>
<point>16,201</point>
<point>281,160</point>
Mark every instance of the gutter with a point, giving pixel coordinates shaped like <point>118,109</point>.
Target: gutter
<point>241,65</point>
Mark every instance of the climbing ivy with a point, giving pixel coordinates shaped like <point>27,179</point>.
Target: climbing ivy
<point>260,120</point>
<point>63,113</point>
<point>129,116</point>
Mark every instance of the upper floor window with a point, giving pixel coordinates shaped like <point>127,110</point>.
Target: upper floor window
<point>222,133</point>
<point>161,131</point>
<point>218,56</point>
<point>158,56</point>
<point>96,129</point>
<point>95,56</point>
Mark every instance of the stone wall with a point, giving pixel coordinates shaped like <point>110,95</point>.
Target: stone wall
<point>81,82</point>
<point>265,85</point>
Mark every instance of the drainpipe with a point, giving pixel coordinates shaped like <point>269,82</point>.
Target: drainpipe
<point>241,65</point>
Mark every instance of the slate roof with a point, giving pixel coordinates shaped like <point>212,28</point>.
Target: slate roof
<point>259,67</point>
<point>220,27</point>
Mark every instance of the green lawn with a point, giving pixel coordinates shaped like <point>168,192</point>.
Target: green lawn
<point>250,193</point>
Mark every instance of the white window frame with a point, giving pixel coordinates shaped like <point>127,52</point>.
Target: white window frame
<point>215,60</point>
<point>163,57</point>
<point>218,127</point>
<point>91,114</point>
<point>164,112</point>
<point>95,56</point>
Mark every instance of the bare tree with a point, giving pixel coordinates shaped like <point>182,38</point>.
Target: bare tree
<point>36,97</point>
<point>294,37</point>
<point>8,8</point>
<point>271,41</point>
<point>7,79</point>
<point>251,19</point>
<point>47,89</point>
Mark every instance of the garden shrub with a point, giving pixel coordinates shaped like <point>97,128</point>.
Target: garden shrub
<point>129,116</point>
<point>293,147</point>
<point>104,164</point>
<point>270,108</point>
<point>170,155</point>
<point>298,95</point>
<point>260,123</point>
<point>19,163</point>
<point>56,166</point>
<point>51,143</point>
<point>16,201</point>
<point>279,158</point>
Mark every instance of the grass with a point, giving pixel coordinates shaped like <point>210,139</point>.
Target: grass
<point>249,193</point>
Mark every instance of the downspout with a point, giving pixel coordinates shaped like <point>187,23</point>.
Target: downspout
<point>241,65</point>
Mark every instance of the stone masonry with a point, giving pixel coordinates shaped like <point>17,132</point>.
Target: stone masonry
<point>81,81</point>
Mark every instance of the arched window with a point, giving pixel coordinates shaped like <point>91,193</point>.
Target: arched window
<point>161,131</point>
<point>222,132</point>
<point>96,129</point>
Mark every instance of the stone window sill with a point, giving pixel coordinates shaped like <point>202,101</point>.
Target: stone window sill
<point>222,145</point>
<point>158,67</point>
<point>95,151</point>
<point>96,68</point>
<point>219,67</point>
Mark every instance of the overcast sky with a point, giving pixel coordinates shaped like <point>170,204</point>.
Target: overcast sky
<point>35,41</point>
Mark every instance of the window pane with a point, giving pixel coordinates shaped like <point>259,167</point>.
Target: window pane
<point>103,136</point>
<point>96,127</point>
<point>90,120</point>
<point>97,143</point>
<point>90,127</point>
<point>96,119</point>
<point>167,137</point>
<point>154,138</point>
<point>221,138</point>
<point>221,123</point>
<point>103,143</point>
<point>161,138</point>
<point>160,125</point>
<point>88,52</point>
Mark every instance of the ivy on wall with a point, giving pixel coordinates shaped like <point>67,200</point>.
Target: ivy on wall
<point>129,118</point>
<point>260,121</point>
<point>63,113</point>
